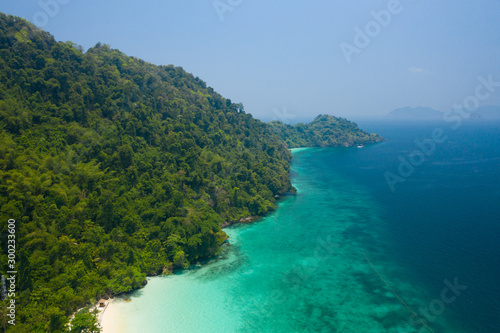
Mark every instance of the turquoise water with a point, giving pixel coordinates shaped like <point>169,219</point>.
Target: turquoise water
<point>347,254</point>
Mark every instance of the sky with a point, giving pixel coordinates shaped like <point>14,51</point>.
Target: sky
<point>294,59</point>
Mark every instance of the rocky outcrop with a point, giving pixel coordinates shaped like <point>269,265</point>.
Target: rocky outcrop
<point>247,219</point>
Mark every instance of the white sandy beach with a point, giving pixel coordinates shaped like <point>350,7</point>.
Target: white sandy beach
<point>108,319</point>
<point>296,150</point>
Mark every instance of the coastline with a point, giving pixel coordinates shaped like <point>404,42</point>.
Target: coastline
<point>248,219</point>
<point>250,273</point>
<point>296,150</point>
<point>112,318</point>
<point>107,319</point>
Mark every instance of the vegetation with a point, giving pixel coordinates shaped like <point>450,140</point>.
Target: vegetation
<point>324,131</point>
<point>115,169</point>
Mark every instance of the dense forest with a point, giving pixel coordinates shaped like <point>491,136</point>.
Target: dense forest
<point>115,169</point>
<point>324,131</point>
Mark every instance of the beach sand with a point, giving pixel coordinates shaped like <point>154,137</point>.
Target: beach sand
<point>109,320</point>
<point>296,150</point>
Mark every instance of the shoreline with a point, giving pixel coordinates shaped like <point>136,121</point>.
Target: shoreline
<point>248,219</point>
<point>297,149</point>
<point>106,319</point>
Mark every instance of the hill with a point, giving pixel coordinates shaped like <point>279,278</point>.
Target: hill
<point>487,112</point>
<point>115,169</point>
<point>418,113</point>
<point>324,131</point>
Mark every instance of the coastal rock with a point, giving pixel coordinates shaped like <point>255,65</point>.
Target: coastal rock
<point>247,219</point>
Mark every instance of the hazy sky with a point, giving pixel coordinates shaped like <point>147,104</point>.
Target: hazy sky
<point>285,58</point>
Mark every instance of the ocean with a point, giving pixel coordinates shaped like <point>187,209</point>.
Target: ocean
<point>399,236</point>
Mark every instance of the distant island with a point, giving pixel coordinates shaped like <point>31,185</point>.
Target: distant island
<point>418,113</point>
<point>324,131</point>
<point>116,169</point>
<point>487,112</point>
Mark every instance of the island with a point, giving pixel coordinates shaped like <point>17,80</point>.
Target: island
<point>115,169</point>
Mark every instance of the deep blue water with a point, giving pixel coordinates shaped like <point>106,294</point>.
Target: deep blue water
<point>348,254</point>
<point>444,220</point>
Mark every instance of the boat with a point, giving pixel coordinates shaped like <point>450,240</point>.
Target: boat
<point>361,146</point>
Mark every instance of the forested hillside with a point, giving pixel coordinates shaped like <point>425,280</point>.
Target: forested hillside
<point>324,131</point>
<point>114,168</point>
